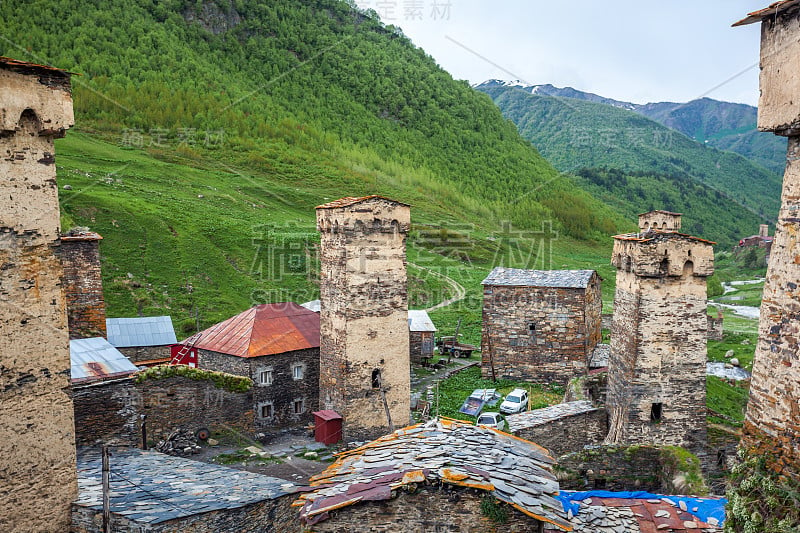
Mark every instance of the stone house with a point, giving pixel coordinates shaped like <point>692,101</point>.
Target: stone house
<point>420,335</point>
<point>144,340</point>
<point>540,325</point>
<point>277,346</point>
<point>562,428</point>
<point>442,475</point>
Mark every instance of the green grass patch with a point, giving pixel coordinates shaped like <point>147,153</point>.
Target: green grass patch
<point>727,400</point>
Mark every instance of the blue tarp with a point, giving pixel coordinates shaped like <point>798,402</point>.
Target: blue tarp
<point>706,507</point>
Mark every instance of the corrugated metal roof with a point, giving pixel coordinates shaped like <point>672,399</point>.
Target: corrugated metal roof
<point>419,320</point>
<point>265,329</point>
<point>140,331</point>
<point>95,359</point>
<point>772,10</point>
<point>516,277</point>
<point>351,200</point>
<point>511,469</point>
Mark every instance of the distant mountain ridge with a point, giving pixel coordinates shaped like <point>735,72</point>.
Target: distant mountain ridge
<point>723,125</point>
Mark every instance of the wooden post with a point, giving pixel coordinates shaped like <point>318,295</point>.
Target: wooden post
<point>144,432</point>
<point>106,492</point>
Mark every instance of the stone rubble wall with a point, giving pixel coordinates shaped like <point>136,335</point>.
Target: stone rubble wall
<point>146,353</point>
<point>569,433</point>
<point>107,412</point>
<point>778,105</point>
<point>38,479</point>
<point>83,285</point>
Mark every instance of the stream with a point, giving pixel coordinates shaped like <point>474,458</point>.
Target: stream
<point>745,311</point>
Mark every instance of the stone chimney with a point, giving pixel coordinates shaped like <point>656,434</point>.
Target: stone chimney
<point>763,230</point>
<point>83,284</point>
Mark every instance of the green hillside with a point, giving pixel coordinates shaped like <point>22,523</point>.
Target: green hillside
<point>207,131</point>
<point>574,134</point>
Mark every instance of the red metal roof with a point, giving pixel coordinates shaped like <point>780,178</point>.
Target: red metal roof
<point>772,10</point>
<point>327,414</point>
<point>350,200</point>
<point>265,329</point>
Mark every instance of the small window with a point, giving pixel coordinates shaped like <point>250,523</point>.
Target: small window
<point>297,371</point>
<point>299,406</point>
<point>655,412</point>
<point>264,376</point>
<point>376,378</point>
<point>531,328</point>
<point>599,483</point>
<point>266,410</point>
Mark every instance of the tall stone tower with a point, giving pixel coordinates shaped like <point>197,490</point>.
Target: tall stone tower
<point>364,350</point>
<point>772,422</point>
<point>657,366</point>
<point>38,479</point>
<point>83,284</point>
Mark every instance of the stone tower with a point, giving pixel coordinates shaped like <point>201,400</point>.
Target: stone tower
<point>83,284</point>
<point>772,421</point>
<point>38,479</point>
<point>660,220</point>
<point>657,366</point>
<point>364,347</point>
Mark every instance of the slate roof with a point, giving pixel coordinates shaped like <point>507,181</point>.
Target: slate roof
<point>140,331</point>
<point>537,417</point>
<point>657,236</point>
<point>516,277</point>
<point>352,200</point>
<point>770,11</point>
<point>419,320</point>
<point>266,329</point>
<point>514,470</point>
<point>151,488</point>
<point>96,359</point>
<point>625,515</point>
<point>662,212</point>
<point>16,64</point>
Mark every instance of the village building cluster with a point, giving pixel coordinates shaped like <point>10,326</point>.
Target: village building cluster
<point>71,375</point>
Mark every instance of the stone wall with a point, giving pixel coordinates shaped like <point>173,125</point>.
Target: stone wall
<point>146,353</point>
<point>656,372</point>
<point>440,508</point>
<point>416,340</point>
<point>778,105</point>
<point>269,516</point>
<point>284,390</point>
<point>772,422</point>
<point>83,285</point>
<point>179,402</point>
<point>540,334</point>
<point>364,317</point>
<point>37,455</point>
<point>614,468</point>
<point>569,433</point>
<point>659,220</point>
<point>107,412</point>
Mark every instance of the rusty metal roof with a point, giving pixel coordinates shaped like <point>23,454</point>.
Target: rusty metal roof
<point>96,359</point>
<point>16,64</point>
<point>772,10</point>
<point>351,200</point>
<point>266,329</point>
<point>457,453</point>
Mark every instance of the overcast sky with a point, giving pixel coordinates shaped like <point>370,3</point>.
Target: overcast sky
<point>639,51</point>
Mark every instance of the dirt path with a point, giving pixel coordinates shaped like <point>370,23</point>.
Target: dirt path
<point>458,289</point>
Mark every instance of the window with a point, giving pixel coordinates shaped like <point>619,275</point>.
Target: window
<point>266,410</point>
<point>297,371</point>
<point>376,379</point>
<point>531,328</point>
<point>299,406</point>
<point>655,412</point>
<point>264,376</point>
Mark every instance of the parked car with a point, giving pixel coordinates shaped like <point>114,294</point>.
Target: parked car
<point>515,402</point>
<point>491,420</point>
